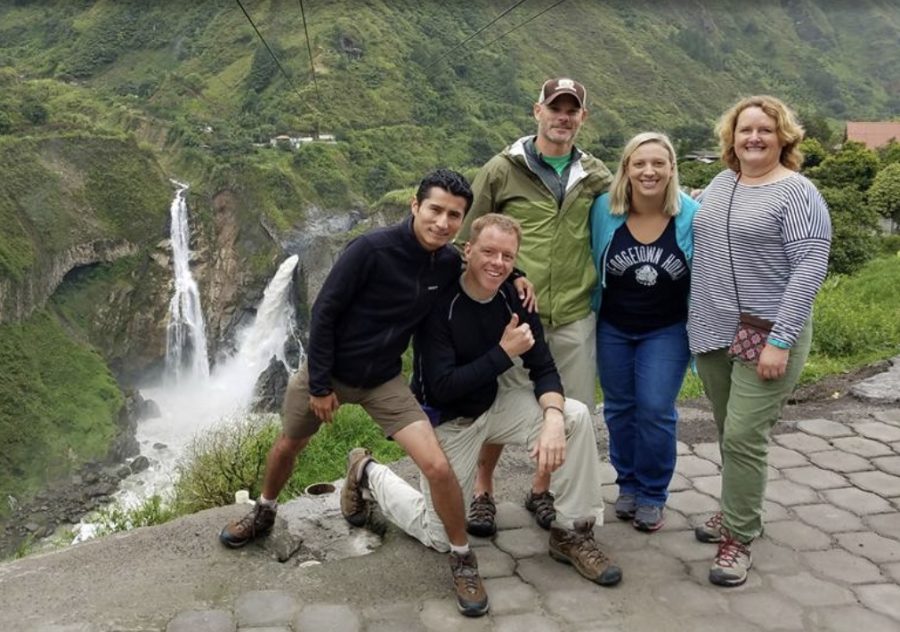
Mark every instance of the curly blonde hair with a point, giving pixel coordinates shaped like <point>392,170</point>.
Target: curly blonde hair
<point>787,127</point>
<point>620,188</point>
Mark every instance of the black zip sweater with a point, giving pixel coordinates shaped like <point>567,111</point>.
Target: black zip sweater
<point>378,291</point>
<point>458,357</point>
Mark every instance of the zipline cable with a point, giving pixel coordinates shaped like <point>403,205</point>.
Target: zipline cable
<point>271,52</point>
<point>312,67</point>
<point>515,28</point>
<point>472,36</point>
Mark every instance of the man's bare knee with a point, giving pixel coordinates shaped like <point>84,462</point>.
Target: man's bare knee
<point>287,448</point>
<point>437,469</point>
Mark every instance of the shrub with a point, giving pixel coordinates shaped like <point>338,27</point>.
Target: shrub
<point>150,511</point>
<point>227,458</point>
<point>233,456</point>
<point>854,230</point>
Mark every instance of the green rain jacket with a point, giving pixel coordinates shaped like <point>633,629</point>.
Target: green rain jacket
<point>553,210</point>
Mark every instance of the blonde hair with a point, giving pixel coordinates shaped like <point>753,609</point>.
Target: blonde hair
<point>501,222</point>
<point>787,128</point>
<point>620,189</point>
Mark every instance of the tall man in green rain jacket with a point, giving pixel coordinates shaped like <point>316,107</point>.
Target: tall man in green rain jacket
<point>548,185</point>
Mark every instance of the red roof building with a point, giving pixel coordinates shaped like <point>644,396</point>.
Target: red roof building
<point>873,135</point>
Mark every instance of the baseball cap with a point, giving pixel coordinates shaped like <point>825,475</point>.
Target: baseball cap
<point>553,88</point>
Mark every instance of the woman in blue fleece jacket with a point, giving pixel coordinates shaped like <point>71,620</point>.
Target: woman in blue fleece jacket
<point>642,244</point>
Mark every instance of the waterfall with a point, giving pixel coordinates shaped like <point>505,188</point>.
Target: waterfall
<point>186,350</point>
<point>189,407</point>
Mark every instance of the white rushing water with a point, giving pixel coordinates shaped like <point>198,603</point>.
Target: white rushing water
<point>186,349</point>
<point>196,403</point>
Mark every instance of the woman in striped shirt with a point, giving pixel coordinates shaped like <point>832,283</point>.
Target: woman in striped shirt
<point>761,241</point>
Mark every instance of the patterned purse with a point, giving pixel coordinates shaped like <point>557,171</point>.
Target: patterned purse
<point>752,331</point>
<point>750,338</point>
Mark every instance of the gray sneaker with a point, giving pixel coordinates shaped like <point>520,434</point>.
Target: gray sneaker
<point>710,532</point>
<point>732,562</point>
<point>625,506</point>
<point>648,518</point>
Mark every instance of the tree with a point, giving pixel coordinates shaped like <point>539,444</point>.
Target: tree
<point>884,195</point>
<point>813,152</point>
<point>853,166</point>
<point>696,174</point>
<point>889,153</point>
<point>262,69</point>
<point>816,126</point>
<point>854,234</point>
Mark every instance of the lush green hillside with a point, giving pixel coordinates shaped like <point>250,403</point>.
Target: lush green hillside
<point>58,404</point>
<point>198,76</point>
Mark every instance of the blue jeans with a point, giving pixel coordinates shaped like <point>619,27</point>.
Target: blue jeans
<point>640,375</point>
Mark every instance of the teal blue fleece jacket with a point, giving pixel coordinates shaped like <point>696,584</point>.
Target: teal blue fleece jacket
<point>604,225</point>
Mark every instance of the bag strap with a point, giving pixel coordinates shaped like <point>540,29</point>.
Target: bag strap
<point>728,240</point>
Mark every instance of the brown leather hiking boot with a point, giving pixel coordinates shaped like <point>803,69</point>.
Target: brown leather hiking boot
<point>471,599</point>
<point>480,521</point>
<point>577,547</point>
<point>354,507</point>
<point>258,522</point>
<point>541,505</point>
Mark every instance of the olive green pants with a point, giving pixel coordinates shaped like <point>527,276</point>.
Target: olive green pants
<point>745,409</point>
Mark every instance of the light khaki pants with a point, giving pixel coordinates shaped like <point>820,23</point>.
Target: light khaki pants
<point>515,417</point>
<point>574,349</point>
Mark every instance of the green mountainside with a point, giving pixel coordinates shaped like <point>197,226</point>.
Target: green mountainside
<point>195,78</point>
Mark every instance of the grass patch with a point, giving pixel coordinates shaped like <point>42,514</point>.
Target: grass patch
<point>233,457</point>
<point>150,511</point>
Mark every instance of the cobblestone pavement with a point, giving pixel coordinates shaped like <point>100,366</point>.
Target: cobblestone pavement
<point>829,560</point>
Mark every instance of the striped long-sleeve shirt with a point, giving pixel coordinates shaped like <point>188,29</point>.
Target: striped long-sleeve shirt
<point>780,237</point>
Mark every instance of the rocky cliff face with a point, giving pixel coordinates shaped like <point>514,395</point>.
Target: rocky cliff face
<point>18,299</point>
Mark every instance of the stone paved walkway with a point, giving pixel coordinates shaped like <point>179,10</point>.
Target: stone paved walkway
<point>829,560</point>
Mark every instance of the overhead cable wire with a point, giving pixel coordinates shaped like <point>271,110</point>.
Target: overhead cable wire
<point>515,28</point>
<point>271,52</point>
<point>312,67</point>
<point>473,35</point>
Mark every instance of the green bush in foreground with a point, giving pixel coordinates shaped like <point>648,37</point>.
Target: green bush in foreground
<point>233,456</point>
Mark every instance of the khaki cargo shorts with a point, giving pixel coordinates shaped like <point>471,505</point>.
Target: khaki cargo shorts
<point>390,405</point>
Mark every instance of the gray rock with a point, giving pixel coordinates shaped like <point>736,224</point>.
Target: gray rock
<point>883,388</point>
<point>139,464</point>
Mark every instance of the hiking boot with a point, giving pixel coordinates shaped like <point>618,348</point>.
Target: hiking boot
<point>577,547</point>
<point>354,507</point>
<point>258,522</point>
<point>480,522</point>
<point>471,599</point>
<point>541,505</point>
<point>710,532</point>
<point>625,506</point>
<point>732,561</point>
<point>648,518</point>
